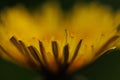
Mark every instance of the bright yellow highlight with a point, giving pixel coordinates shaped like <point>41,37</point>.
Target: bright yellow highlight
<point>96,26</point>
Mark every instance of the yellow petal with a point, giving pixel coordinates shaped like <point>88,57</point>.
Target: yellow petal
<point>89,31</point>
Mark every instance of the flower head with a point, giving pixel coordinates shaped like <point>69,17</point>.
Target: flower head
<point>54,43</point>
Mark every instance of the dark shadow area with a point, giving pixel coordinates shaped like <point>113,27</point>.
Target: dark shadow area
<point>66,5</point>
<point>107,67</point>
<point>10,71</point>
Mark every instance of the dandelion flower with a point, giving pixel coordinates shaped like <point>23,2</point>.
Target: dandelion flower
<point>56,44</point>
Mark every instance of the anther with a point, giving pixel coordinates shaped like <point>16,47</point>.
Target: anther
<point>42,51</point>
<point>55,51</point>
<point>76,51</point>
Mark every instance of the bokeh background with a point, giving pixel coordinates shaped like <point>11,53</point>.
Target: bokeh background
<point>105,68</point>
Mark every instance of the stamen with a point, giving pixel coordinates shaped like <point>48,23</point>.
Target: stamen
<point>2,50</point>
<point>55,50</point>
<point>66,54</point>
<point>27,54</point>
<point>19,45</point>
<point>106,44</point>
<point>24,48</point>
<point>35,53</point>
<point>16,43</point>
<point>66,34</point>
<point>76,51</point>
<point>42,50</point>
<point>118,28</point>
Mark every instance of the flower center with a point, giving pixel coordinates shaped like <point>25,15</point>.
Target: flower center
<point>31,52</point>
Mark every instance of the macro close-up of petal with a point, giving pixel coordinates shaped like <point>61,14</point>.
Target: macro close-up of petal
<point>55,43</point>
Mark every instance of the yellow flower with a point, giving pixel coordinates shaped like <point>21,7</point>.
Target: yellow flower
<point>50,41</point>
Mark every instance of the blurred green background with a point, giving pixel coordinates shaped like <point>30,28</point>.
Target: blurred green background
<point>105,68</point>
